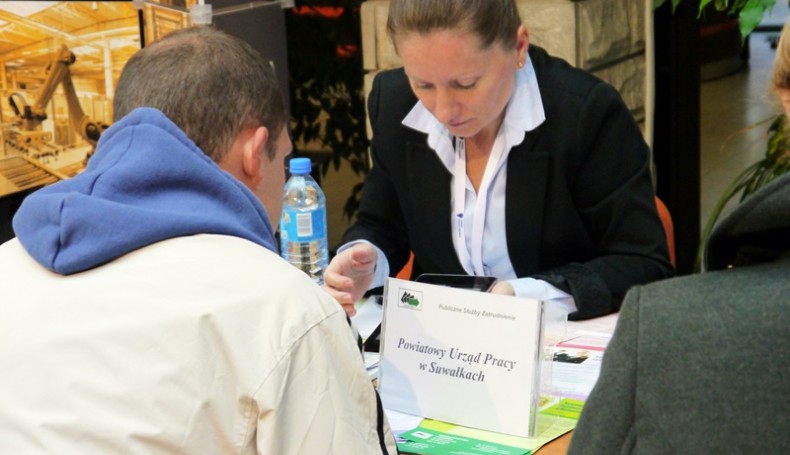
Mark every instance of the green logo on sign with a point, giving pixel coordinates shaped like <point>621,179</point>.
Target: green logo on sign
<point>410,299</point>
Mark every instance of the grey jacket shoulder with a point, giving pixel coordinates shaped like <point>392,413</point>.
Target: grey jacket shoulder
<point>697,363</point>
<point>757,230</point>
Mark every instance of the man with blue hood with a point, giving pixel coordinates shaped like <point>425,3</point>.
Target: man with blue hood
<point>144,306</point>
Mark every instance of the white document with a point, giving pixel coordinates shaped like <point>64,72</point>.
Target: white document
<point>368,317</point>
<point>464,357</point>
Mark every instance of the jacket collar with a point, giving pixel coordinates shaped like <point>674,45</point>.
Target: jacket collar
<point>524,113</point>
<point>757,230</point>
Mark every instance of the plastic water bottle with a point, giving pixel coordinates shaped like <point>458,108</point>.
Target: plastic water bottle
<point>303,238</point>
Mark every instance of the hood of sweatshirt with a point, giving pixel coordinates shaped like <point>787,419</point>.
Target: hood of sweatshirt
<point>147,182</point>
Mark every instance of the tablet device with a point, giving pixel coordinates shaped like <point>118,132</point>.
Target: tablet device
<point>474,283</point>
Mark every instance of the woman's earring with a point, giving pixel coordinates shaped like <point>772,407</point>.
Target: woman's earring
<point>520,64</point>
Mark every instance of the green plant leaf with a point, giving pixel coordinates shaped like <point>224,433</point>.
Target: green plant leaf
<point>749,12</point>
<point>327,93</point>
<point>704,3</point>
<point>751,15</point>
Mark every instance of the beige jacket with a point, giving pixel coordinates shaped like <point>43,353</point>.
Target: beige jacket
<point>205,344</point>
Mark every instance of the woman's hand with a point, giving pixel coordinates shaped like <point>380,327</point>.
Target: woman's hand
<point>349,275</point>
<point>502,287</point>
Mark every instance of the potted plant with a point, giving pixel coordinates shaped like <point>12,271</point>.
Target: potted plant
<point>776,161</point>
<point>748,12</point>
<point>326,87</point>
<point>724,31</point>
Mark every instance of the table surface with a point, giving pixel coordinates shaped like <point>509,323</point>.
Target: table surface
<point>558,446</point>
<point>605,324</point>
<point>602,325</point>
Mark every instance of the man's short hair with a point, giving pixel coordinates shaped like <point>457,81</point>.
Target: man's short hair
<point>209,83</point>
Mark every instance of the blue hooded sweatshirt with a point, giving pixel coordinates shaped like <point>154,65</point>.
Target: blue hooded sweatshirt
<point>146,183</point>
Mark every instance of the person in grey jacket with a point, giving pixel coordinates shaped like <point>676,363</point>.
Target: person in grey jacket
<point>699,364</point>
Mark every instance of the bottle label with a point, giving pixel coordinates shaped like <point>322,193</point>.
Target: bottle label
<point>303,226</point>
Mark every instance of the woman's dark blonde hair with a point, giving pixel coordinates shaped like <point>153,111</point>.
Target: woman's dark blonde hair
<point>781,73</point>
<point>493,21</point>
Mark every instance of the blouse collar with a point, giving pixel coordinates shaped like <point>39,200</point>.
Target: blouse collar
<point>524,113</point>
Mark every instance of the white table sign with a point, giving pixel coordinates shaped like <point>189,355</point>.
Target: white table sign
<point>464,357</point>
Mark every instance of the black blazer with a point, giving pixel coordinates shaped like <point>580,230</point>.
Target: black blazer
<point>580,209</point>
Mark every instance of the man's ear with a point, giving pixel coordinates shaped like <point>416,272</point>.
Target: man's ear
<point>252,149</point>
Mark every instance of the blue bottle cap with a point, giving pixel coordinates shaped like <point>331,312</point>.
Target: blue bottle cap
<point>299,165</point>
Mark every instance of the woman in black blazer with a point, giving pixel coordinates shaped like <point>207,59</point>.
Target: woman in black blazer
<point>554,195</point>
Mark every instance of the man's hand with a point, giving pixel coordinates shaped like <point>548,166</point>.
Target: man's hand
<point>349,275</point>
